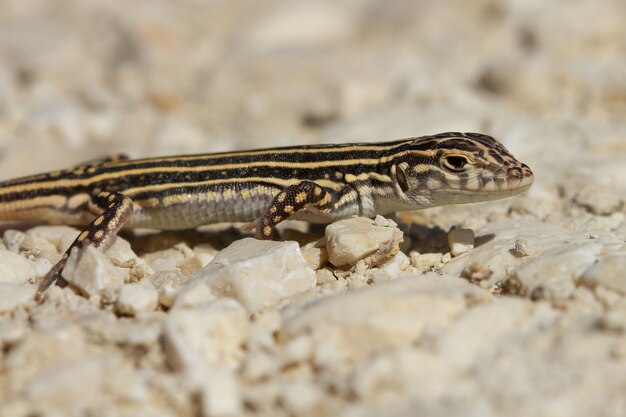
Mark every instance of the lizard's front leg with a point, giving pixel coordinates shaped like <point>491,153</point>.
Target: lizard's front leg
<point>116,209</point>
<point>289,201</point>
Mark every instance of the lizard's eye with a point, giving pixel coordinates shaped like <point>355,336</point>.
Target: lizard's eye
<point>455,163</point>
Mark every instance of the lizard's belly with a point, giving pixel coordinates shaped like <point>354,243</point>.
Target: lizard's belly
<point>187,211</point>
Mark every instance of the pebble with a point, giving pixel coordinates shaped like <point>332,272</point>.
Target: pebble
<point>316,257</point>
<point>258,273</point>
<point>221,394</point>
<point>351,326</point>
<point>210,334</point>
<point>553,273</point>
<point>92,272</point>
<point>15,268</point>
<point>460,240</point>
<point>300,396</point>
<point>598,199</point>
<point>609,272</point>
<point>137,298</point>
<point>67,389</point>
<point>15,295</point>
<point>521,248</point>
<point>359,238</point>
<point>13,239</point>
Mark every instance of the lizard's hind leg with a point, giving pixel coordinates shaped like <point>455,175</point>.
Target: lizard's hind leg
<point>116,210</point>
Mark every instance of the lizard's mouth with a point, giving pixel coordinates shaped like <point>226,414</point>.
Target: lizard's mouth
<point>491,185</point>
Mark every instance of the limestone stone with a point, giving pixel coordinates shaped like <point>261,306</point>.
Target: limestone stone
<point>15,268</point>
<point>221,394</point>
<point>257,273</point>
<point>353,325</point>
<point>210,334</point>
<point>609,271</point>
<point>67,389</point>
<point>460,240</point>
<point>15,295</point>
<point>351,240</point>
<point>553,273</point>
<point>92,272</point>
<point>137,298</point>
<point>314,255</point>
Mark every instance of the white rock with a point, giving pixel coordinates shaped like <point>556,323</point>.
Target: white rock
<point>120,250</point>
<point>609,272</point>
<point>258,273</point>
<point>137,298</point>
<point>300,396</point>
<point>67,389</point>
<point>496,255</point>
<point>44,351</point>
<point>552,273</point>
<point>14,295</point>
<point>192,295</point>
<point>260,365</point>
<point>13,239</point>
<point>316,257</point>
<point>39,245</point>
<point>462,345</point>
<point>599,199</point>
<point>15,268</point>
<point>460,240</point>
<point>212,334</point>
<point>221,394</point>
<point>92,271</point>
<point>59,236</point>
<point>351,240</point>
<point>167,295</point>
<point>351,326</point>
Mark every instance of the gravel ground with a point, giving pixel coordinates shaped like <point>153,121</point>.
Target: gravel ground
<point>508,308</point>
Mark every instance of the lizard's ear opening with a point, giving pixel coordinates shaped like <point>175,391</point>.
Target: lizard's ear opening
<point>401,178</point>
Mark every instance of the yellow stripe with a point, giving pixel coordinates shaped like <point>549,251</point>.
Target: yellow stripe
<point>337,148</point>
<point>139,171</point>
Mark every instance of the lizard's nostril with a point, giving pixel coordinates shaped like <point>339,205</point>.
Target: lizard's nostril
<point>514,173</point>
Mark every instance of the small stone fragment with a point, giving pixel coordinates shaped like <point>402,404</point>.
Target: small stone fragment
<point>220,395</point>
<point>15,268</point>
<point>351,326</point>
<point>300,396</point>
<point>351,240</point>
<point>257,273</point>
<point>120,250</point>
<point>193,295</point>
<point>92,271</point>
<point>137,298</point>
<point>600,200</point>
<point>212,333</point>
<point>13,239</point>
<point>316,257</point>
<point>425,262</point>
<point>552,273</point>
<point>14,295</point>
<point>476,273</point>
<point>167,295</point>
<point>68,388</point>
<point>460,240</point>
<point>609,272</point>
<point>521,248</point>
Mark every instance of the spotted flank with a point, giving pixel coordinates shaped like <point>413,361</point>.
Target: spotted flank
<point>316,183</point>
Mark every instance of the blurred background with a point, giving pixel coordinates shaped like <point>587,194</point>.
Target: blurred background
<point>82,79</point>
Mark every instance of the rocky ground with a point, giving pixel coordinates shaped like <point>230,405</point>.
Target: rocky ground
<point>509,308</point>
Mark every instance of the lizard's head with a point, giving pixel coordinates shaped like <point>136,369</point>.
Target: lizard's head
<point>452,168</point>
